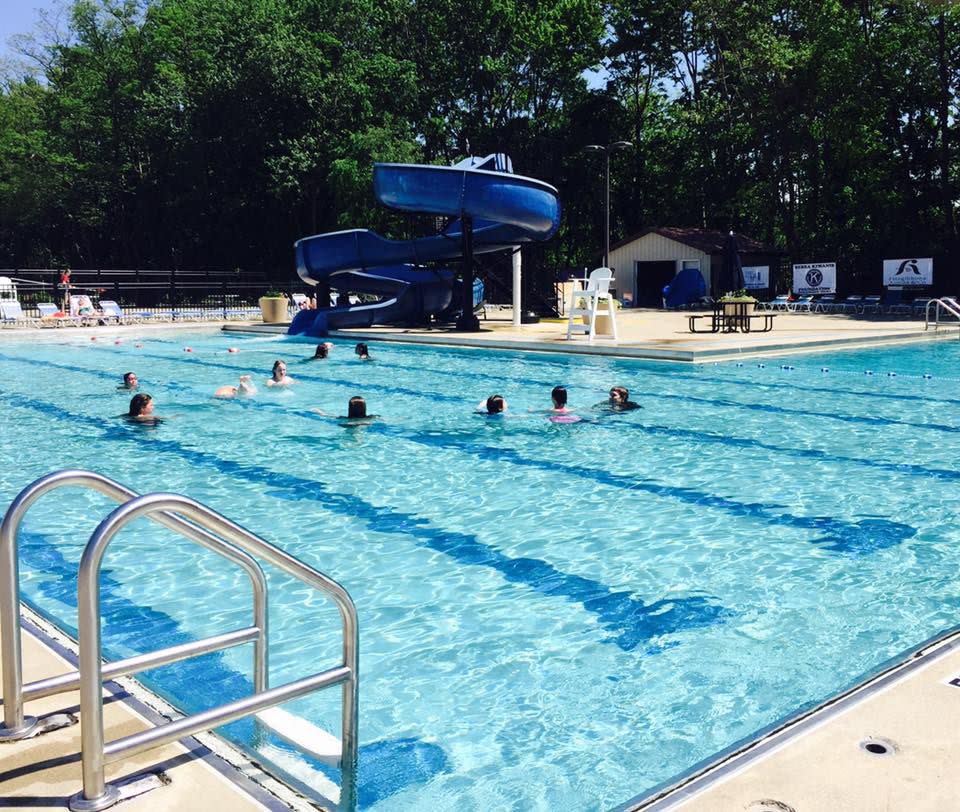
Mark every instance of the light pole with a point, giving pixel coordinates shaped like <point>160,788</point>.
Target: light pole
<point>607,150</point>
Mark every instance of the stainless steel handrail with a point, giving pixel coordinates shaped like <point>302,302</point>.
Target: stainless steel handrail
<point>15,724</point>
<point>96,793</point>
<point>950,306</point>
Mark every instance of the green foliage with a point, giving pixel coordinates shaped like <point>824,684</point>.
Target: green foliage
<point>198,133</point>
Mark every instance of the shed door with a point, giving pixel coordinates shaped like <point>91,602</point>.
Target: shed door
<point>651,277</point>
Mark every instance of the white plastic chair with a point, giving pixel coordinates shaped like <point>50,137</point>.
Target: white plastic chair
<point>596,291</point>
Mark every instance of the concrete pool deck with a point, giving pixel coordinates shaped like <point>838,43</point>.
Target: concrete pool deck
<point>195,774</point>
<point>657,335</point>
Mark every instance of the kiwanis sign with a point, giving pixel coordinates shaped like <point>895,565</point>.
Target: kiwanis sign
<point>907,272</point>
<point>813,278</point>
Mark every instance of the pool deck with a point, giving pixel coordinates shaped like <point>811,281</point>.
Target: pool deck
<point>194,775</point>
<point>820,762</point>
<point>657,335</point>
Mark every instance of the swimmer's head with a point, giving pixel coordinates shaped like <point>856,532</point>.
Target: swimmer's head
<point>141,405</point>
<point>559,397</point>
<point>322,351</point>
<point>357,407</point>
<point>279,370</point>
<point>496,404</point>
<point>361,350</point>
<point>130,380</point>
<point>618,395</point>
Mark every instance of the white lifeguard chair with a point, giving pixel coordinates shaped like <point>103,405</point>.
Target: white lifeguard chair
<point>597,290</point>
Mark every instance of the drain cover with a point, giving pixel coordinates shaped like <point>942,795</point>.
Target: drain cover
<point>878,747</point>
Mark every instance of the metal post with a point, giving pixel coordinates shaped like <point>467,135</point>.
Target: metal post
<point>467,321</point>
<point>606,209</point>
<point>517,286</point>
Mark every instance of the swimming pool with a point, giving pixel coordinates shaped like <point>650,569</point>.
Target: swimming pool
<point>552,616</point>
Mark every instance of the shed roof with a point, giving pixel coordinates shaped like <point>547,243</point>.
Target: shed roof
<point>703,239</point>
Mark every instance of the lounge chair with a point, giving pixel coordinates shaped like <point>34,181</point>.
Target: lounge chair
<point>51,315</point>
<point>849,305</point>
<point>801,305</point>
<point>871,304</point>
<point>777,303</point>
<point>12,315</point>
<point>825,303</point>
<point>82,309</point>
<point>111,310</point>
<point>893,304</point>
<point>920,307</point>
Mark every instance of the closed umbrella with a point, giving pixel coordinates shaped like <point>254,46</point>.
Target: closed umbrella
<point>731,271</point>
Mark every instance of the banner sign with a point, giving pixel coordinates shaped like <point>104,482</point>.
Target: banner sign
<point>907,272</point>
<point>816,277</point>
<point>756,276</point>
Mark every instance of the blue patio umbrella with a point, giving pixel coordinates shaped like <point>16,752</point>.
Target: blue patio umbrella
<point>731,271</point>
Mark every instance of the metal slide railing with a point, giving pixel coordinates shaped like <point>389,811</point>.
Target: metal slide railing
<point>202,525</point>
<point>950,305</point>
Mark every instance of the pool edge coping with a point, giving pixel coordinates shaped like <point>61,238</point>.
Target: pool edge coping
<point>747,754</point>
<point>635,352</point>
<point>218,754</point>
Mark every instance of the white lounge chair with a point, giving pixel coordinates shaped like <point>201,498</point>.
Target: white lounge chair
<point>596,291</point>
<point>51,315</point>
<point>12,315</point>
<point>111,310</point>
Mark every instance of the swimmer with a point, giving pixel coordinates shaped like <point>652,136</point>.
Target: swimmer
<point>244,389</point>
<point>561,413</point>
<point>619,400</point>
<point>280,377</point>
<point>129,381</point>
<point>362,352</point>
<point>357,410</point>
<point>323,351</point>
<point>141,409</point>
<point>492,406</point>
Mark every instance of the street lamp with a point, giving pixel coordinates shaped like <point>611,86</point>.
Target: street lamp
<point>607,150</point>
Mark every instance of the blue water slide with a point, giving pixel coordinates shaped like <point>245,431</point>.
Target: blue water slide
<point>505,210</point>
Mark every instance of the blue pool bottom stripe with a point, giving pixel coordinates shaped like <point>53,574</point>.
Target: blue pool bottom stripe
<point>386,767</point>
<point>846,538</point>
<point>631,621</point>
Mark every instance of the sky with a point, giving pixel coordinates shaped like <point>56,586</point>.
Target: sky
<point>18,17</point>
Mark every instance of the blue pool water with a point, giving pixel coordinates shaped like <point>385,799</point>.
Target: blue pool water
<point>552,615</point>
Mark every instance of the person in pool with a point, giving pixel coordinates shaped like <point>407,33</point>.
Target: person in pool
<point>492,406</point>
<point>619,400</point>
<point>141,409</point>
<point>561,413</point>
<point>130,381</point>
<point>362,352</point>
<point>280,377</point>
<point>323,352</point>
<point>244,389</point>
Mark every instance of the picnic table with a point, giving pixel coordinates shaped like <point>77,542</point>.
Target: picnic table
<point>732,317</point>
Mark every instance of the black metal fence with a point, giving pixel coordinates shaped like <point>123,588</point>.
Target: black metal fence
<point>149,291</point>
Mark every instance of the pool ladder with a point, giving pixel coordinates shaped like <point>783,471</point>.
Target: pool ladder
<point>209,529</point>
<point>949,304</point>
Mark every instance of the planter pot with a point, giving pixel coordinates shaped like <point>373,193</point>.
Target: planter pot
<point>732,308</point>
<point>603,325</point>
<point>274,310</point>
